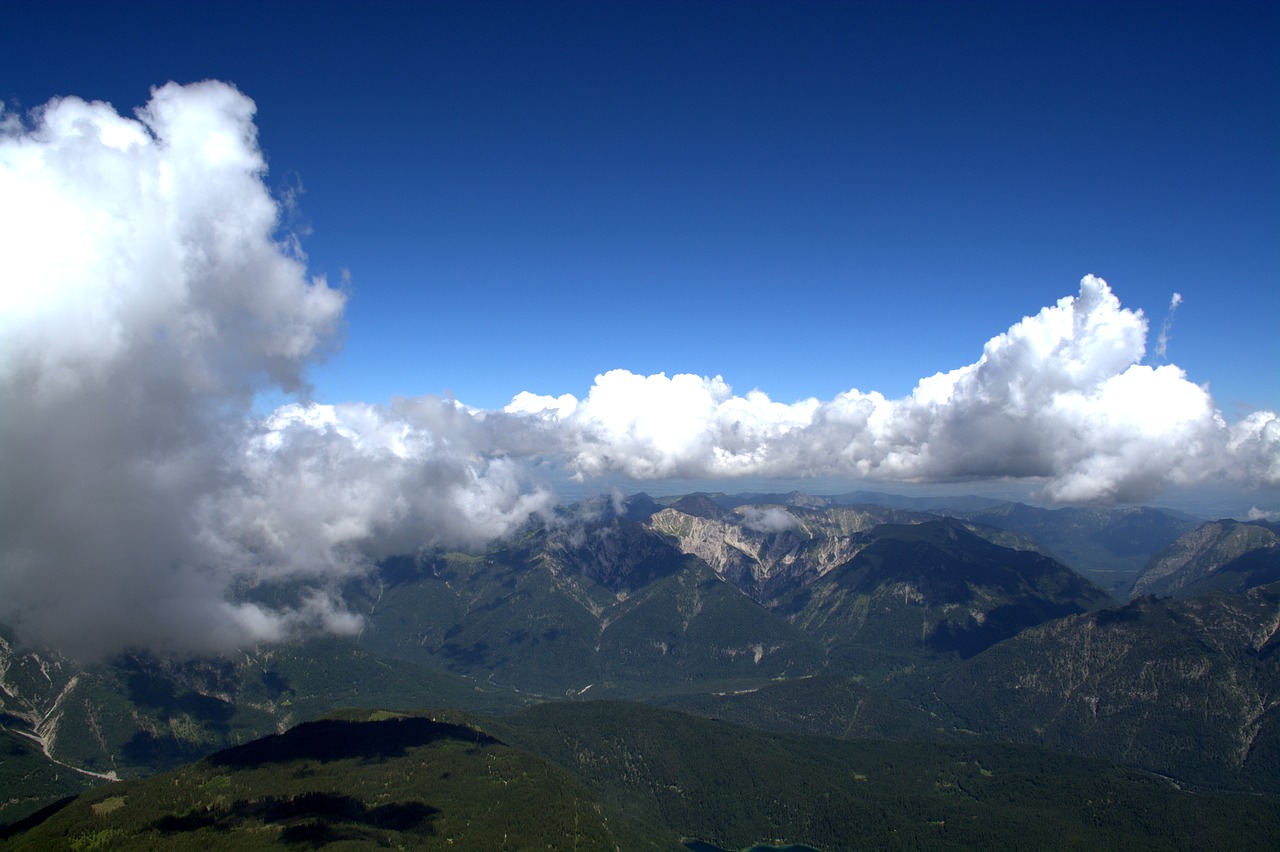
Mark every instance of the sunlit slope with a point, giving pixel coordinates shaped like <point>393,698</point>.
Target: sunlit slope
<point>360,781</point>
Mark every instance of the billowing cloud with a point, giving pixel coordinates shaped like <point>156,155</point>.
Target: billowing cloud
<point>335,488</point>
<point>144,300</point>
<point>1062,398</point>
<point>147,297</point>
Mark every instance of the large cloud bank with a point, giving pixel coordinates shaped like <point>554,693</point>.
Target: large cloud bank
<point>1061,398</point>
<point>147,295</point>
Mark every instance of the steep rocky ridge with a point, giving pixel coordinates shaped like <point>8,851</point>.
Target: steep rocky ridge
<point>768,550</point>
<point>763,548</point>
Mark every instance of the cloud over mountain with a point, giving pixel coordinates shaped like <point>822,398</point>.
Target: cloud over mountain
<point>148,296</point>
<point>145,300</point>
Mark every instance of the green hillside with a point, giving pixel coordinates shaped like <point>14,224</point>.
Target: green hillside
<point>608,775</point>
<point>359,781</point>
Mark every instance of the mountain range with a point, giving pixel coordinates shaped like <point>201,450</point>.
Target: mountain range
<point>927,626</point>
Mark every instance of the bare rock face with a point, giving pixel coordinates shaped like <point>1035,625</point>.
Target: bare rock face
<point>763,548</point>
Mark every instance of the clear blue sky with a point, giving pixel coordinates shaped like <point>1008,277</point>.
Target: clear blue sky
<point>802,197</point>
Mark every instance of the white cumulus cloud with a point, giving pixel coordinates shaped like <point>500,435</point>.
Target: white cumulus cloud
<point>1061,398</point>
<point>145,298</point>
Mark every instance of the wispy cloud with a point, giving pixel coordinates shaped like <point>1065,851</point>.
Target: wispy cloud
<point>1162,341</point>
<point>148,296</point>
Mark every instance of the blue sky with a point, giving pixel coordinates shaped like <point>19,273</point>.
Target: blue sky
<point>801,197</point>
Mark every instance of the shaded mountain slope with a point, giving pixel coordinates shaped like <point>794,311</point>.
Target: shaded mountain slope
<point>1253,568</point>
<point>601,605</point>
<point>1189,688</point>
<point>1184,567</point>
<point>933,589</point>
<point>735,786</point>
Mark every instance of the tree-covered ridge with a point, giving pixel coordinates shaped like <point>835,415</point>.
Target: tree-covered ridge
<point>1186,687</point>
<point>1226,554</point>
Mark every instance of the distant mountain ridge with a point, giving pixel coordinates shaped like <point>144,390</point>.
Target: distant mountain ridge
<point>603,602</point>
<point>1109,545</point>
<point>1210,557</point>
